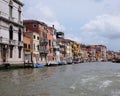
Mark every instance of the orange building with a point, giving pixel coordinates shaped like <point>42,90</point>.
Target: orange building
<point>27,49</point>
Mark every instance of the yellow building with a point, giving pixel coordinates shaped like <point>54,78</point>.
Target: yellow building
<point>76,49</point>
<point>69,53</point>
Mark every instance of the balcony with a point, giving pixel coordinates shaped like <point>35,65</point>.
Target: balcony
<point>20,22</point>
<point>3,14</point>
<point>4,40</point>
<point>12,42</point>
<point>43,50</point>
<point>20,43</point>
<point>62,46</point>
<point>27,50</point>
<point>12,19</point>
<point>56,47</point>
<point>44,41</point>
<point>63,52</point>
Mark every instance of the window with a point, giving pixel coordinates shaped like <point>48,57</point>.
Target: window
<point>11,33</point>
<point>25,45</point>
<point>49,42</point>
<point>29,46</point>
<point>45,28</point>
<point>34,36</point>
<point>19,13</point>
<point>11,52</point>
<point>34,46</point>
<point>37,47</point>
<point>37,38</point>
<point>19,50</point>
<point>19,35</point>
<point>10,11</point>
<point>50,50</point>
<point>44,35</point>
<point>34,25</point>
<point>19,16</point>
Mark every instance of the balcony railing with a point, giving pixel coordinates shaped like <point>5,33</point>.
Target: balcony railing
<point>4,40</point>
<point>20,43</point>
<point>43,50</point>
<point>20,22</point>
<point>44,41</point>
<point>27,49</point>
<point>11,19</point>
<point>3,14</point>
<point>12,42</point>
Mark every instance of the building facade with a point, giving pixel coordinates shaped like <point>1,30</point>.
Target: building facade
<point>34,46</point>
<point>69,48</point>
<point>27,49</point>
<point>11,32</point>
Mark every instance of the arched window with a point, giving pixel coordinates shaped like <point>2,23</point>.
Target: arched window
<point>10,8</point>
<point>19,35</point>
<point>11,32</point>
<point>19,14</point>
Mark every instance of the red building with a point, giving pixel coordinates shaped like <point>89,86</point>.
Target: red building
<point>46,38</point>
<point>50,55</point>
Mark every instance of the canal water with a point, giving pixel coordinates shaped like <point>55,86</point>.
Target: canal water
<point>85,79</point>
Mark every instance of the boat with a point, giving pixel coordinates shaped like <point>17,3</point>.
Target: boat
<point>38,65</point>
<point>52,63</point>
<point>116,60</point>
<point>62,63</point>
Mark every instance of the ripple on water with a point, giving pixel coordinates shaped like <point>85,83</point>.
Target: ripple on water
<point>105,84</point>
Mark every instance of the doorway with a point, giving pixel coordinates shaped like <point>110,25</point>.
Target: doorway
<point>4,54</point>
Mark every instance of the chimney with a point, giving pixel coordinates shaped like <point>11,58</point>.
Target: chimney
<point>53,26</point>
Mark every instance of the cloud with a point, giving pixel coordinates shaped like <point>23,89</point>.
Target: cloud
<point>104,29</point>
<point>107,26</point>
<point>73,37</point>
<point>98,0</point>
<point>42,13</point>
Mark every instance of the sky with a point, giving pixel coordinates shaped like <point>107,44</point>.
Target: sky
<point>84,21</point>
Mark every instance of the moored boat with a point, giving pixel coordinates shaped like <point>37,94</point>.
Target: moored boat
<point>116,60</point>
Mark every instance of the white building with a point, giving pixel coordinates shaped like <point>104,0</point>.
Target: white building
<point>55,46</point>
<point>11,32</point>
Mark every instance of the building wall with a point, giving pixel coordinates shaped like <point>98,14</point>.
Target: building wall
<point>5,22</point>
<point>4,10</point>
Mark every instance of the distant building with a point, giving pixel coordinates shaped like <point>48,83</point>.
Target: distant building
<point>110,55</point>
<point>97,52</point>
<point>11,32</point>
<point>84,52</point>
<point>56,51</point>
<point>75,49</point>
<point>62,47</point>
<point>69,53</point>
